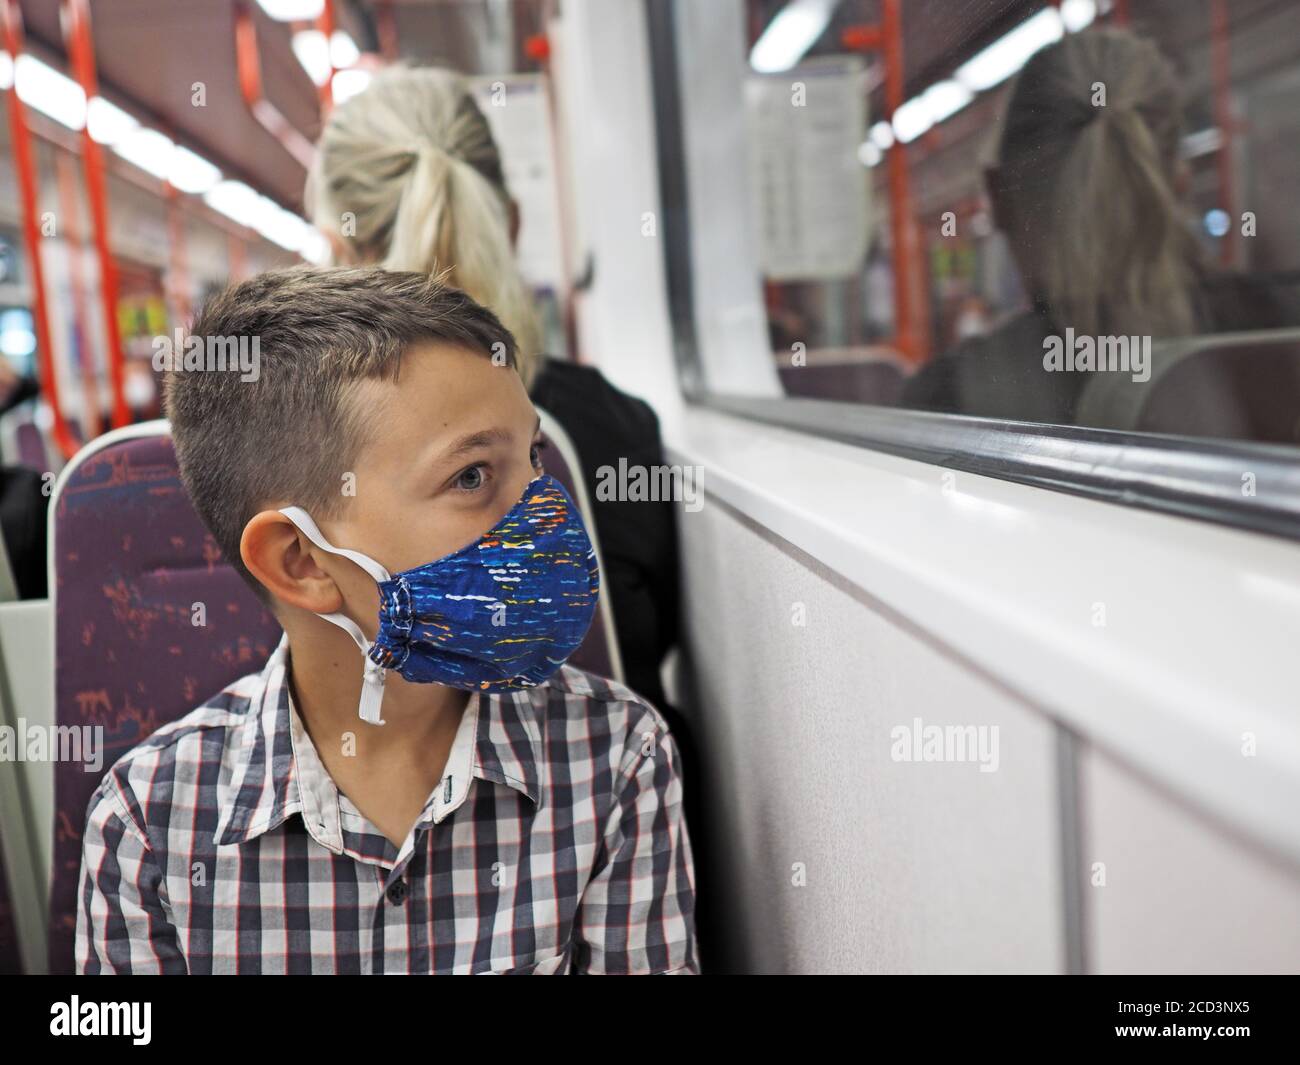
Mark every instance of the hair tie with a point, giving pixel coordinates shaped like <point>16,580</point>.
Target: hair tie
<point>1115,110</point>
<point>426,150</point>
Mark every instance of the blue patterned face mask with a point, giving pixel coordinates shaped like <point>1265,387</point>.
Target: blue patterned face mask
<point>501,613</point>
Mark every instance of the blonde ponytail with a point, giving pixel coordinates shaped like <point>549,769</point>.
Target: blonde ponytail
<point>407,174</point>
<point>1088,154</point>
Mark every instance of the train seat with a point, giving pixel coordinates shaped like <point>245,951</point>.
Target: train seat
<point>848,375</point>
<point>1231,385</point>
<point>30,446</point>
<point>146,586</point>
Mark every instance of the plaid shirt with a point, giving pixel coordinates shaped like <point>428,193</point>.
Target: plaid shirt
<point>554,843</point>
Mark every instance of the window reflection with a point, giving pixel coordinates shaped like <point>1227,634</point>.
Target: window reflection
<point>1099,223</point>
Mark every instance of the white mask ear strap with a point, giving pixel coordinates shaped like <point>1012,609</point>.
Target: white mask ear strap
<point>308,528</point>
<point>372,683</point>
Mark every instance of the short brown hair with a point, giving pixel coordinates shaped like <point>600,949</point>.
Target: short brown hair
<point>291,433</point>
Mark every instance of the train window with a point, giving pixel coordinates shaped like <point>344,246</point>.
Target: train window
<point>1075,214</point>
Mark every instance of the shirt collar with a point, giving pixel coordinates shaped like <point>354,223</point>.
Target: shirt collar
<point>263,789</point>
<point>508,748</point>
<point>277,772</point>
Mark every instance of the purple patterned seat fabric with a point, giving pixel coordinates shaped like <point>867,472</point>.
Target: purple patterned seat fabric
<point>132,564</point>
<point>31,446</point>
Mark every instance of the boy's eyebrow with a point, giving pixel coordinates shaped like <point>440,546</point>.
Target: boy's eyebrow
<point>481,439</point>
<point>474,441</point>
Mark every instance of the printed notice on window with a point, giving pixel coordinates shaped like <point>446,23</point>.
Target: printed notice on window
<point>517,110</point>
<point>811,191</point>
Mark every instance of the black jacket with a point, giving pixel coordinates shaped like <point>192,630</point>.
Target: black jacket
<point>23,505</point>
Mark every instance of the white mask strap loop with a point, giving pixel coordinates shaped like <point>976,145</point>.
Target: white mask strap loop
<point>372,683</point>
<point>308,528</point>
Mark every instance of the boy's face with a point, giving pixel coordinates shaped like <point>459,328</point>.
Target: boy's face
<point>448,449</point>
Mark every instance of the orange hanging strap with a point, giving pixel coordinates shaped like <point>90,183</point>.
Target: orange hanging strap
<point>25,165</point>
<point>65,163</point>
<point>81,52</point>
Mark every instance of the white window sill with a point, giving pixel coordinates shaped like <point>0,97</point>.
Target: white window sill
<point>1200,629</point>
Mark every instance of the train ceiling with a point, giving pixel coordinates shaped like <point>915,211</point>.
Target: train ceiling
<point>150,55</point>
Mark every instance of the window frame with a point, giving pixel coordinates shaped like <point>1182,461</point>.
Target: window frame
<point>1201,478</point>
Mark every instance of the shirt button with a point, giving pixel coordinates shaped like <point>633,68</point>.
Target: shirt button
<point>397,893</point>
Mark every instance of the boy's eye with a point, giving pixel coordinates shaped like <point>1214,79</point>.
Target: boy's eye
<point>470,479</point>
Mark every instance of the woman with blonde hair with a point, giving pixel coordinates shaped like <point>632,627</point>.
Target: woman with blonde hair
<point>1086,188</point>
<point>407,175</point>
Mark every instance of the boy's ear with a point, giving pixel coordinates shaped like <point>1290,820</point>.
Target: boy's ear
<point>283,560</point>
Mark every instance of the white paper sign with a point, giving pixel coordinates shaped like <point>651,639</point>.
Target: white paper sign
<point>811,191</point>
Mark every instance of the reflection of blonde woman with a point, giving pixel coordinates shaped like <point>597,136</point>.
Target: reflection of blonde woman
<point>1086,189</point>
<point>408,175</point>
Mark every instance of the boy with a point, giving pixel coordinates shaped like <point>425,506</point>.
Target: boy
<point>412,783</point>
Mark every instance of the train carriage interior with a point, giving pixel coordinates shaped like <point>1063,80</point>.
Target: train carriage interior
<point>917,390</point>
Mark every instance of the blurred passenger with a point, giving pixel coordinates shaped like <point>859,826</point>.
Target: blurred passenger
<point>1088,195</point>
<point>408,176</point>
<point>23,499</point>
<point>15,388</point>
